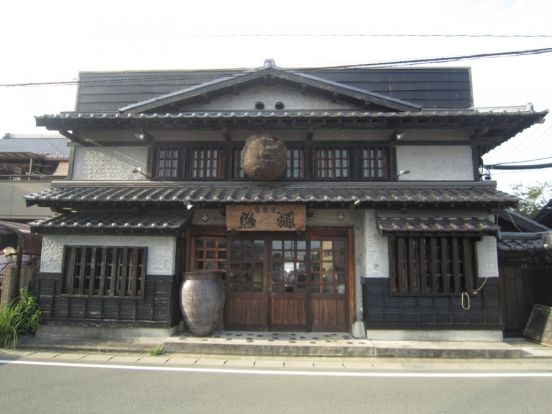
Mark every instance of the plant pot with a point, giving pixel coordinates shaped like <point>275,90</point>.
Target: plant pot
<point>202,300</point>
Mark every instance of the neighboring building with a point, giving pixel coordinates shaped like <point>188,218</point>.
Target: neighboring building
<point>28,163</point>
<point>525,264</point>
<point>544,216</point>
<point>380,221</point>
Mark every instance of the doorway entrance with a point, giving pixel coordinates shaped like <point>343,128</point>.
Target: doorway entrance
<point>283,282</point>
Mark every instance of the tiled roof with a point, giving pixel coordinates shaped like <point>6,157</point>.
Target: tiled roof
<point>461,224</point>
<point>520,242</point>
<point>288,114</point>
<point>359,193</point>
<point>53,147</point>
<point>122,223</point>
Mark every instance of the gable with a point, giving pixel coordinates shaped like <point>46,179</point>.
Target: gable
<point>247,97</point>
<point>270,84</point>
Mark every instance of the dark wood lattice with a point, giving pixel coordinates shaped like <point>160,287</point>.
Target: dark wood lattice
<point>104,271</point>
<point>375,162</point>
<point>209,253</point>
<point>206,162</point>
<point>432,265</point>
<point>168,162</point>
<point>331,162</point>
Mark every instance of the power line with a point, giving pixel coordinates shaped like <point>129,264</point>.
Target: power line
<point>516,162</point>
<point>448,58</point>
<point>518,167</point>
<point>133,80</point>
<point>349,35</point>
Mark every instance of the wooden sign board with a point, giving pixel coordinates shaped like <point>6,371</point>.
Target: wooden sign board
<point>266,217</point>
<point>539,326</point>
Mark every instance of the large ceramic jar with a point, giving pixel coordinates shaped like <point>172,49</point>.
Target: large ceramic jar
<point>202,300</point>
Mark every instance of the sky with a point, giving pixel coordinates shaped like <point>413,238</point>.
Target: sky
<point>54,40</point>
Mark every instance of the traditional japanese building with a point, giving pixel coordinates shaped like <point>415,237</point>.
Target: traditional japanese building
<point>378,221</point>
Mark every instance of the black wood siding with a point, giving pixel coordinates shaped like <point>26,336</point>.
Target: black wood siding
<point>383,311</point>
<point>428,87</point>
<point>157,307</point>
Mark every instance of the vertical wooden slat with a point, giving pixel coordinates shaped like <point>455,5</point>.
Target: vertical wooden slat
<point>433,267</point>
<point>70,271</point>
<point>468,263</point>
<point>444,267</point>
<point>134,276</point>
<point>124,271</point>
<point>92,276</point>
<point>143,270</point>
<point>392,254</point>
<point>424,275</point>
<point>455,265</point>
<point>400,265</point>
<point>113,272</point>
<point>82,270</point>
<point>412,271</point>
<point>103,272</point>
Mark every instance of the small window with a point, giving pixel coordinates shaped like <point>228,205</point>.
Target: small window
<point>237,167</point>
<point>432,265</point>
<point>295,163</point>
<point>209,253</point>
<point>104,271</point>
<point>375,162</point>
<point>331,162</point>
<point>168,162</point>
<point>206,162</point>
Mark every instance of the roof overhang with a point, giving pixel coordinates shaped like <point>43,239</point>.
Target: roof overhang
<point>409,225</point>
<point>320,194</point>
<point>114,223</point>
<point>490,128</point>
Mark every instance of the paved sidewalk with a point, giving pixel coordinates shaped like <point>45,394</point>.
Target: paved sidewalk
<point>288,363</point>
<point>284,345</point>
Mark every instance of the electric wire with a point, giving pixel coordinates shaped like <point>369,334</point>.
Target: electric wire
<point>133,80</point>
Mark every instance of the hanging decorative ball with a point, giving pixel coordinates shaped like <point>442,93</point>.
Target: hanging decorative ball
<point>264,157</point>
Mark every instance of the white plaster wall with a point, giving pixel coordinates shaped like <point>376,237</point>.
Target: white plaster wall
<point>433,162</point>
<point>161,250</point>
<point>109,163</point>
<point>487,257</point>
<point>377,257</point>
<point>269,95</point>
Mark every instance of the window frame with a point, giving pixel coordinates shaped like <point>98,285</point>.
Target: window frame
<point>105,288</point>
<point>228,160</point>
<point>441,254</point>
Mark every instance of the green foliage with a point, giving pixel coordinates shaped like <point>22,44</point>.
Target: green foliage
<point>157,351</point>
<point>20,317</point>
<point>533,197</point>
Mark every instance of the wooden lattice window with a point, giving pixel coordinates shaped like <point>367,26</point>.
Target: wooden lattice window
<point>375,162</point>
<point>432,265</point>
<point>209,253</point>
<point>105,271</point>
<point>206,162</point>
<point>295,163</point>
<point>167,162</point>
<point>327,266</point>
<point>245,273</point>
<point>331,162</point>
<point>289,272</point>
<point>237,167</point>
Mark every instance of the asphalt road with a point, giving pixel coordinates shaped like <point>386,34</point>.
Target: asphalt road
<point>70,389</point>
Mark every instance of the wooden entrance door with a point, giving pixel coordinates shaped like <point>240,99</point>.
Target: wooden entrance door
<point>288,307</point>
<point>284,282</point>
<point>246,299</point>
